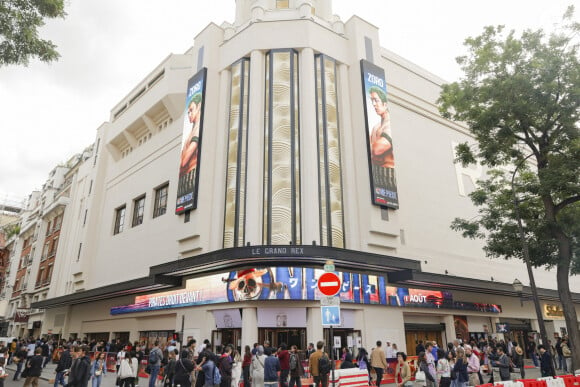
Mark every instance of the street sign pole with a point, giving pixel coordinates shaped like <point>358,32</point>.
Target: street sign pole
<point>332,354</point>
<point>329,268</point>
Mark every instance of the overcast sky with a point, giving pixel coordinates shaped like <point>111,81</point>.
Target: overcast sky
<point>51,111</point>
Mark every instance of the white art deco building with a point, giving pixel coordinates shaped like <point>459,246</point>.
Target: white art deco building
<point>226,179</point>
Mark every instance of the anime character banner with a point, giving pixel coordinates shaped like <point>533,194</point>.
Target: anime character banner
<point>188,181</point>
<point>292,283</point>
<point>379,136</point>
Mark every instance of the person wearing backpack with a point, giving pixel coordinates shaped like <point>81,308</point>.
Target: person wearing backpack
<point>318,364</point>
<point>155,357</point>
<point>296,368</point>
<point>183,369</point>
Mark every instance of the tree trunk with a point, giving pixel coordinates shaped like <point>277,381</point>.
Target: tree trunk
<point>562,277</point>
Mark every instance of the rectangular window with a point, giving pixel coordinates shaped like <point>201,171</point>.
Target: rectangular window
<point>138,210</point>
<point>79,254</point>
<point>280,4</point>
<point>119,219</point>
<point>54,247</point>
<point>85,217</point>
<point>160,201</point>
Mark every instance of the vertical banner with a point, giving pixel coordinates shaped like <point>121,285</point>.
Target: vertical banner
<point>191,143</point>
<point>379,136</point>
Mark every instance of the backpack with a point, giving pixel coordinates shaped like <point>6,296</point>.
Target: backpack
<point>217,376</point>
<point>323,365</point>
<point>293,361</point>
<point>154,356</point>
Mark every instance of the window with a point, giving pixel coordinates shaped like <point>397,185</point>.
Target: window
<point>282,4</point>
<point>119,220</point>
<point>138,210</point>
<point>53,247</point>
<point>160,201</point>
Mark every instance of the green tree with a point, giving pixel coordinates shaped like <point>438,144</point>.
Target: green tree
<point>520,98</point>
<point>19,23</point>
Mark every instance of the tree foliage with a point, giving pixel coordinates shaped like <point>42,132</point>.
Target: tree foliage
<point>520,98</point>
<point>19,23</point>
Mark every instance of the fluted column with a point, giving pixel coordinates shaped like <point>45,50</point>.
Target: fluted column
<point>309,141</point>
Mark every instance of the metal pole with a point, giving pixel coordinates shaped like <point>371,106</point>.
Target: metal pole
<point>181,332</point>
<point>332,353</point>
<point>526,256</point>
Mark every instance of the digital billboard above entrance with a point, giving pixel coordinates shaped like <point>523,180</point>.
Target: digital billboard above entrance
<point>293,283</point>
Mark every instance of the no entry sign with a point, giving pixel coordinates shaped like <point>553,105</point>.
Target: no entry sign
<point>329,284</point>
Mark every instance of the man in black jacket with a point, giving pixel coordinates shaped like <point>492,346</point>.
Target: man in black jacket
<point>20,354</point>
<point>80,371</point>
<point>34,368</point>
<point>63,367</point>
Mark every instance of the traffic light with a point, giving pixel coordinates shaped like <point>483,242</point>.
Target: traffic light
<point>176,336</point>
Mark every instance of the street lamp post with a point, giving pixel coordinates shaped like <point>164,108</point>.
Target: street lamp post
<point>526,256</point>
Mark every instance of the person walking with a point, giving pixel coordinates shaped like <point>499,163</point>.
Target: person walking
<point>443,369</point>
<point>363,361</point>
<point>284,358</point>
<point>423,366</point>
<point>315,360</point>
<point>225,367</point>
<point>34,368</point>
<point>184,367</point>
<point>546,364</point>
<point>128,370</point>
<point>257,367</point>
<point>98,369</point>
<point>169,371</point>
<point>63,367</point>
<point>271,369</point>
<point>460,368</point>
<point>296,368</point>
<point>80,371</point>
<point>236,368</point>
<point>246,363</point>
<point>155,357</point>
<point>379,362</point>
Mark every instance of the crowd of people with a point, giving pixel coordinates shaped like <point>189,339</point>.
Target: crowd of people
<point>460,364</point>
<point>82,362</point>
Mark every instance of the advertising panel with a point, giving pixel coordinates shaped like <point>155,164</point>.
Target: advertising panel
<point>294,283</point>
<point>191,143</point>
<point>379,136</point>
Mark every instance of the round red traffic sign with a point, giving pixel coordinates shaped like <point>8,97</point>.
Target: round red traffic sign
<point>329,284</point>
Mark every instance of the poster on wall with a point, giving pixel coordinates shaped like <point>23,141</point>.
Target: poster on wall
<point>379,136</point>
<point>502,327</point>
<point>461,328</point>
<point>188,181</point>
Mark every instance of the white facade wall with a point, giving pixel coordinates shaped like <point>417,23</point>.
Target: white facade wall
<point>432,189</point>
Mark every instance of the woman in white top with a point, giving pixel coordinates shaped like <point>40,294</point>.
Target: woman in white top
<point>257,368</point>
<point>128,370</point>
<point>443,370</point>
<point>236,368</point>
